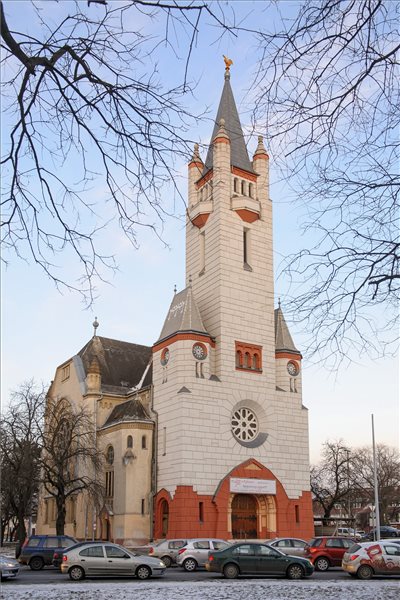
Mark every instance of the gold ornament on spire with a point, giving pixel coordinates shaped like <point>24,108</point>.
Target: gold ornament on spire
<point>228,62</point>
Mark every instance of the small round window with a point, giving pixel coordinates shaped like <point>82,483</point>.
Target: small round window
<point>110,455</point>
<point>164,357</point>
<point>244,424</point>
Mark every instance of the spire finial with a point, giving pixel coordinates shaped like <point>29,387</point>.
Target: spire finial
<point>95,326</point>
<point>279,302</point>
<point>228,62</point>
<point>175,289</point>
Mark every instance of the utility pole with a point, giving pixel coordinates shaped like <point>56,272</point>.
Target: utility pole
<point>377,517</point>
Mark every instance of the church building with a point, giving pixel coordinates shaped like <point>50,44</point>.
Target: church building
<point>205,433</point>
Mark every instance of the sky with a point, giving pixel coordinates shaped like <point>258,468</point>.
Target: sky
<point>41,327</point>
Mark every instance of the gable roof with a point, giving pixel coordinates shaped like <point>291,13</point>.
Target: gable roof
<point>228,111</point>
<point>132,410</point>
<point>283,339</point>
<point>183,316</point>
<point>123,365</point>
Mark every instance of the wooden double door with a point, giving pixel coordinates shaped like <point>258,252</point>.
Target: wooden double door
<point>244,517</point>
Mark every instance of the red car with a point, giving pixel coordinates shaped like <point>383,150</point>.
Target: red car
<point>327,551</point>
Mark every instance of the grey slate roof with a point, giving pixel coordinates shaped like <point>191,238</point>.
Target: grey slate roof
<point>283,339</point>
<point>132,410</point>
<point>122,364</point>
<point>228,111</point>
<point>183,316</point>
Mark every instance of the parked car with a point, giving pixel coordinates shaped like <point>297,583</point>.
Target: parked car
<point>348,532</point>
<point>167,550</point>
<point>195,553</point>
<point>364,560</point>
<point>257,559</point>
<point>385,532</point>
<point>105,559</point>
<point>58,554</point>
<point>9,567</point>
<point>38,550</point>
<point>292,546</point>
<point>327,551</point>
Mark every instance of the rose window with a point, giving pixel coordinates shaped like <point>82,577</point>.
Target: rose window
<point>244,424</point>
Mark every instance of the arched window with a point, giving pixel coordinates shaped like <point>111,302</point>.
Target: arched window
<point>239,359</point>
<point>110,455</point>
<point>250,190</point>
<point>243,188</point>
<point>247,360</point>
<point>144,441</point>
<point>129,441</point>
<point>164,518</point>
<point>235,185</point>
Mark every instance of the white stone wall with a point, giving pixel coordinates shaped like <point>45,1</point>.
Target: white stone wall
<point>195,442</point>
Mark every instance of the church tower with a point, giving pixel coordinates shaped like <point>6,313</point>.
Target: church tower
<point>232,442</point>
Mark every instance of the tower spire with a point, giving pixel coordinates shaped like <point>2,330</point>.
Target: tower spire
<point>227,110</point>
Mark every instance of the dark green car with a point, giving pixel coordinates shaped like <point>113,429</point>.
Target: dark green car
<point>257,559</point>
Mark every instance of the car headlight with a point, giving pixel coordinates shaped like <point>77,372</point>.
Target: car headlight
<point>162,564</point>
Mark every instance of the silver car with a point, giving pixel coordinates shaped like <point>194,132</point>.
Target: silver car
<point>8,567</point>
<point>104,558</point>
<point>291,546</point>
<point>195,553</point>
<point>167,550</point>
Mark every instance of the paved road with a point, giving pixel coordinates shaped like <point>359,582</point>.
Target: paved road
<point>52,576</point>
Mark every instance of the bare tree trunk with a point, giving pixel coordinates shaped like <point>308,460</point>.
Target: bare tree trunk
<point>60,521</point>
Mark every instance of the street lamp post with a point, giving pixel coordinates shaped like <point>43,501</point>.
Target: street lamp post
<point>377,517</point>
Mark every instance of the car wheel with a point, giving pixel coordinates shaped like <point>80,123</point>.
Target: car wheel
<point>167,561</point>
<point>364,572</point>
<point>36,563</point>
<point>76,573</point>
<point>143,572</point>
<point>231,571</point>
<point>322,564</point>
<point>190,564</point>
<point>295,572</point>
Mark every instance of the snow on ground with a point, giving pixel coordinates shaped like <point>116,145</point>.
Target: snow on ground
<point>255,589</point>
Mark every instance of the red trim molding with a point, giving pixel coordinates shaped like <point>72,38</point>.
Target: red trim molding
<point>244,174</point>
<point>247,215</point>
<point>197,164</point>
<point>203,180</point>
<point>200,220</point>
<point>221,140</point>
<point>291,355</point>
<point>195,337</point>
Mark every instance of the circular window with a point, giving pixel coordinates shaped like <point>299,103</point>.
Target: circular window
<point>164,356</point>
<point>199,351</point>
<point>292,368</point>
<point>244,424</point>
<point>110,455</point>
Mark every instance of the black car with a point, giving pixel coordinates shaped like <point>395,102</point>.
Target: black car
<point>38,550</point>
<point>257,559</point>
<point>385,532</point>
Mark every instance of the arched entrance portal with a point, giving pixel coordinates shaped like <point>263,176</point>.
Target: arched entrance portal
<point>244,517</point>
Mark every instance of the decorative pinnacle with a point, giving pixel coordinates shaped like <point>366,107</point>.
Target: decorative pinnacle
<point>279,302</point>
<point>175,289</point>
<point>95,326</point>
<point>228,62</point>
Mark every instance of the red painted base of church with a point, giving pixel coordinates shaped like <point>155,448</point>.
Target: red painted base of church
<point>189,514</point>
